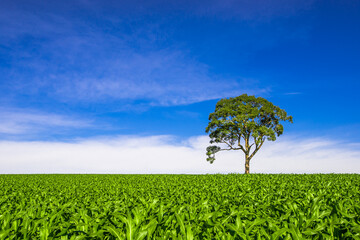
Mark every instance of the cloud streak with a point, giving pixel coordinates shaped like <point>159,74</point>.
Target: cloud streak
<point>19,121</point>
<point>165,77</point>
<point>260,10</point>
<point>164,154</point>
<point>74,61</point>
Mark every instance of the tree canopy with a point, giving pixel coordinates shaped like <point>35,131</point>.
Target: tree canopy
<point>244,123</point>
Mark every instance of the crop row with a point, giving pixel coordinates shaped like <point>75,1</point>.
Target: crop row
<point>230,206</point>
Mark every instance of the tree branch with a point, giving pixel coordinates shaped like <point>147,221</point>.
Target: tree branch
<point>229,145</point>
<point>250,146</point>
<point>240,146</point>
<point>247,148</point>
<point>256,149</point>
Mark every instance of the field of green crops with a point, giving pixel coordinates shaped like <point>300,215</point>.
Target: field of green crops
<point>180,206</point>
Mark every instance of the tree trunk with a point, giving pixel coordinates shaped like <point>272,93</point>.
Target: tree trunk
<point>247,164</point>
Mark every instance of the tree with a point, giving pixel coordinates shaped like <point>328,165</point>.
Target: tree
<point>242,123</point>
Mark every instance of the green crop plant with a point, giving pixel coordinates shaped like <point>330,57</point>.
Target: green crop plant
<point>135,207</point>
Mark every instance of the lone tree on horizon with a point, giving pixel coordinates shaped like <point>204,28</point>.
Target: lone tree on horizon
<point>243,122</point>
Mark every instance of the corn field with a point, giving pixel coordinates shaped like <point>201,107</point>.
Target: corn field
<point>233,206</point>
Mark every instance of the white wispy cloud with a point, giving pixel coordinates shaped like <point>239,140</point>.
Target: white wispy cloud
<point>25,121</point>
<point>241,9</point>
<point>75,61</point>
<point>166,77</point>
<point>260,10</point>
<point>164,154</point>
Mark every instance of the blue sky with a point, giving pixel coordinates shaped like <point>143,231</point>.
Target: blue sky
<point>75,71</point>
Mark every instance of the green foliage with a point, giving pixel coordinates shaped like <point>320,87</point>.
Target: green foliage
<point>244,118</point>
<point>180,207</point>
